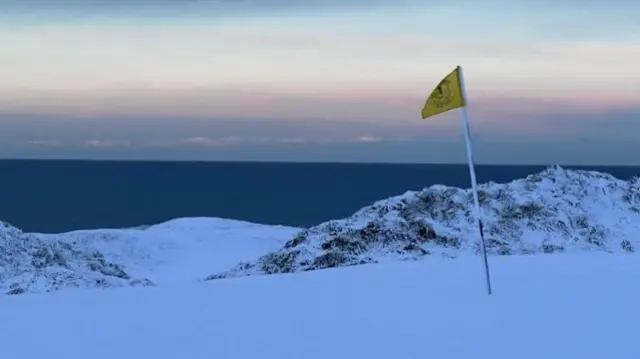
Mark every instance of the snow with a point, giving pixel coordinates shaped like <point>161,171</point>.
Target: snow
<point>181,250</point>
<point>29,263</point>
<point>556,210</point>
<point>553,211</point>
<point>400,279</point>
<point>582,305</point>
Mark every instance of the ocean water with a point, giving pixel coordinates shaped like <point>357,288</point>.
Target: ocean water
<point>58,196</point>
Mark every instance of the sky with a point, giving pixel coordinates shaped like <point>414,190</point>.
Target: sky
<point>333,80</point>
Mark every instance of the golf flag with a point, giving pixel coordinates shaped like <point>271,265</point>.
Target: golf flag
<point>447,96</point>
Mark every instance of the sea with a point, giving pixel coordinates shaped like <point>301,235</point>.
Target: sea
<point>53,196</point>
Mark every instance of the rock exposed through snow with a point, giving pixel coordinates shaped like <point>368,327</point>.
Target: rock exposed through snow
<point>29,263</point>
<point>555,210</point>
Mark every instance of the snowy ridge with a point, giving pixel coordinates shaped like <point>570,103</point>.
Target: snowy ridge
<point>555,210</point>
<point>29,263</point>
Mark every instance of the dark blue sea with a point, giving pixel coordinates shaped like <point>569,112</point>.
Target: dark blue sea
<point>57,196</point>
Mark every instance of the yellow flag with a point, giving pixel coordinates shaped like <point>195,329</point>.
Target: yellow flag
<point>446,96</point>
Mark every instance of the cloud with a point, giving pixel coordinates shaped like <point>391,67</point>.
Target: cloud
<point>606,139</point>
<point>367,139</point>
<point>100,143</point>
<point>549,69</point>
<point>292,140</point>
<point>45,143</point>
<point>327,140</point>
<point>215,9</point>
<point>200,141</point>
<point>312,61</point>
<point>507,137</point>
<point>225,9</point>
<point>394,112</point>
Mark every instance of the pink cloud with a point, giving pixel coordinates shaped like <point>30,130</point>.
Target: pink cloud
<point>99,143</point>
<point>367,139</point>
<point>293,140</point>
<point>200,141</point>
<point>380,106</point>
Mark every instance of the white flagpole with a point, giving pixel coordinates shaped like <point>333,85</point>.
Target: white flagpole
<point>472,174</point>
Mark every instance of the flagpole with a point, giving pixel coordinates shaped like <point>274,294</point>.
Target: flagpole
<point>472,174</point>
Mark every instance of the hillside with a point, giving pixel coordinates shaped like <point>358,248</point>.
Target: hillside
<point>180,250</point>
<point>29,263</point>
<point>176,251</point>
<point>556,210</point>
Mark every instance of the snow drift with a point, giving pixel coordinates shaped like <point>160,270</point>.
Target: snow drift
<point>29,263</point>
<point>556,210</point>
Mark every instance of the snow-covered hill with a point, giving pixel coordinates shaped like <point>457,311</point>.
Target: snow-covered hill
<point>556,210</point>
<point>29,263</point>
<point>552,211</point>
<point>180,250</point>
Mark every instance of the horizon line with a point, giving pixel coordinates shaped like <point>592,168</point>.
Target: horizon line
<point>309,162</point>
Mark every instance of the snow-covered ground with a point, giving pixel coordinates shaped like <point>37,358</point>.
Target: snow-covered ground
<point>556,306</point>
